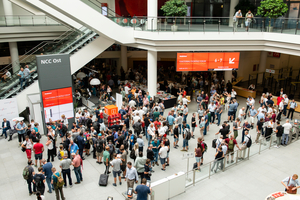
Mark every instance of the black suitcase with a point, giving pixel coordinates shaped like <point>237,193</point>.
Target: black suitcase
<point>195,166</point>
<point>103,180</point>
<point>214,143</point>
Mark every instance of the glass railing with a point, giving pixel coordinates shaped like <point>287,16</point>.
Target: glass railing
<point>27,20</point>
<point>200,24</point>
<point>213,168</point>
<point>68,43</point>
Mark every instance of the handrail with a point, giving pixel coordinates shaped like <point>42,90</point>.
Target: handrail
<point>38,47</point>
<point>109,9</point>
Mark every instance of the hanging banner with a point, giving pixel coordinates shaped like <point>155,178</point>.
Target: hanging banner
<point>8,110</point>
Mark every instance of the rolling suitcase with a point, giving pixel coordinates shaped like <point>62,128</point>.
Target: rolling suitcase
<point>214,143</point>
<point>103,179</point>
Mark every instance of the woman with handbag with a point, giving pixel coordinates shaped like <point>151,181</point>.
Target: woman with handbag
<point>290,184</point>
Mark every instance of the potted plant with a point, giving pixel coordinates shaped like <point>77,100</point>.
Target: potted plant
<point>272,9</point>
<point>174,8</point>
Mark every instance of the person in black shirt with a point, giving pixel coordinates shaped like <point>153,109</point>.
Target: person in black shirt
<point>120,140</point>
<point>110,137</point>
<point>167,144</point>
<point>259,129</point>
<point>224,132</point>
<point>270,102</point>
<point>193,125</point>
<point>126,122</point>
<point>147,123</point>
<point>176,136</point>
<point>147,171</point>
<point>279,132</point>
<point>75,125</point>
<point>33,137</point>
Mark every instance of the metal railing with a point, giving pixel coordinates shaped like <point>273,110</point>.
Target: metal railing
<point>27,20</point>
<point>227,162</point>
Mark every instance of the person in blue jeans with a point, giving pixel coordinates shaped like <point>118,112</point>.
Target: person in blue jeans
<point>155,148</point>
<point>206,123</point>
<point>219,111</point>
<point>47,170</point>
<point>30,178</point>
<point>185,146</point>
<point>22,78</point>
<point>185,112</point>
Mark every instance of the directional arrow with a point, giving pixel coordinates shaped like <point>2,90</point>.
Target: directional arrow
<point>231,60</point>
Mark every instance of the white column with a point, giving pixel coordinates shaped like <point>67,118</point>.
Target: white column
<point>152,14</point>
<point>228,76</point>
<point>124,58</point>
<point>14,56</point>
<point>262,65</point>
<point>8,10</point>
<point>152,72</point>
<point>233,3</point>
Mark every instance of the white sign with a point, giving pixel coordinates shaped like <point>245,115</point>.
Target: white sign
<point>231,60</point>
<point>8,110</point>
<point>188,155</point>
<point>272,71</point>
<point>119,99</point>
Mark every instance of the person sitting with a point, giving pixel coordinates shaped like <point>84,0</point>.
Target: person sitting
<point>251,87</point>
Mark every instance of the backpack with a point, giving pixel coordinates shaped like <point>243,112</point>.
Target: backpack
<point>205,147</point>
<point>82,120</point>
<point>59,155</point>
<point>26,173</point>
<point>132,154</point>
<point>249,143</point>
<point>85,139</point>
<point>99,145</point>
<point>230,144</point>
<point>134,138</point>
<point>188,135</point>
<point>38,181</point>
<point>76,139</point>
<point>63,128</point>
<point>111,148</point>
<point>60,180</point>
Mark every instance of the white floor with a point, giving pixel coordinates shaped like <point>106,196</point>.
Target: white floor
<point>253,179</point>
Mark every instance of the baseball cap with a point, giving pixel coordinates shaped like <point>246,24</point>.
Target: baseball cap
<point>99,134</point>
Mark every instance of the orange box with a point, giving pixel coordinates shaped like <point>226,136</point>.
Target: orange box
<point>111,109</point>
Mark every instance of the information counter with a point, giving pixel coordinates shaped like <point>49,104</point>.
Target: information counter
<point>298,103</point>
<point>282,196</point>
<point>243,92</point>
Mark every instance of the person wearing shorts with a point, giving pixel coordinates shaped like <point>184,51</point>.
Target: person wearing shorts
<point>163,153</point>
<point>38,149</point>
<point>27,145</point>
<point>231,142</point>
<point>116,165</point>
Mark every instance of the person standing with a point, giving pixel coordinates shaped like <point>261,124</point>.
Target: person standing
<point>116,165</point>
<point>38,149</point>
<point>99,145</point>
<point>259,129</point>
<point>142,190</point>
<point>292,184</point>
<point>244,146</point>
<point>124,160</point>
<point>248,19</point>
<point>279,132</point>
<point>29,178</point>
<point>139,164</point>
<point>21,128</point>
<point>246,127</point>
<point>77,163</point>
<point>5,127</point>
<point>185,112</point>
<point>155,147</point>
<point>27,145</point>
<point>73,147</point>
<point>80,143</point>
<point>47,170</point>
<point>131,176</point>
<point>57,188</point>
<point>293,106</point>
<point>39,180</point>
<point>286,131</point>
<point>140,141</point>
<point>65,169</point>
<point>106,159</point>
<point>198,155</point>
<point>236,18</point>
<point>21,77</point>
<point>163,152</point>
<point>51,150</point>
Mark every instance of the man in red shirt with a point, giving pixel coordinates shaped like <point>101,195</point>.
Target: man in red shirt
<point>38,149</point>
<point>279,99</point>
<point>76,163</point>
<point>230,142</point>
<point>156,124</point>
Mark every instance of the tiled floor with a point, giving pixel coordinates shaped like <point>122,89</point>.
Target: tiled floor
<point>253,179</point>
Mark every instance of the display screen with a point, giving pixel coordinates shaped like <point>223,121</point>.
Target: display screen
<point>58,102</point>
<point>208,61</point>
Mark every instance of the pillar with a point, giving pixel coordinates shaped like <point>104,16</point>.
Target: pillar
<point>233,3</point>
<point>124,58</point>
<point>152,72</point>
<point>152,14</point>
<point>14,55</point>
<point>8,10</point>
<point>262,65</point>
<point>228,76</point>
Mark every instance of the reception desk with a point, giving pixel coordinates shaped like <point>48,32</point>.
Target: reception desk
<point>284,197</point>
<point>243,92</point>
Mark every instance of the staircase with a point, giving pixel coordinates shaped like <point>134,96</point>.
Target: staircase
<point>83,45</point>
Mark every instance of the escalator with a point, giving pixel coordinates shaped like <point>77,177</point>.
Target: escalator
<point>82,44</point>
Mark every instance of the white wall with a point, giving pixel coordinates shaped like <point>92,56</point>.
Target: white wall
<point>16,9</point>
<point>22,97</point>
<point>247,60</point>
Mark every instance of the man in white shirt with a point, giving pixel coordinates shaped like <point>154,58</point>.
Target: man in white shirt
<point>141,112</point>
<point>127,89</point>
<point>163,153</point>
<point>86,113</point>
<point>236,18</point>
<point>293,106</point>
<point>261,109</point>
<point>286,131</point>
<point>233,94</point>
<point>212,108</point>
<point>135,118</point>
<point>184,101</point>
<point>244,146</point>
<point>280,109</point>
<point>242,114</point>
<point>151,133</point>
<point>132,103</point>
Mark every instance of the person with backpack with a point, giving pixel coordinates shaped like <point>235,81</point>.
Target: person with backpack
<point>246,144</point>
<point>39,180</point>
<point>28,173</point>
<point>62,130</point>
<point>106,159</point>
<point>186,137</point>
<point>231,142</point>
<point>99,145</point>
<point>279,132</point>
<point>58,183</point>
<point>27,145</point>
<point>87,145</point>
<point>204,147</point>
<point>50,147</point>
<point>132,139</point>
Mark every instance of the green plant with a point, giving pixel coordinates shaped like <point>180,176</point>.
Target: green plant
<point>174,8</point>
<point>272,8</point>
<point>245,6</point>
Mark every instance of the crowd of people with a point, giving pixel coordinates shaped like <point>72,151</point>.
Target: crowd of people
<point>145,134</point>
